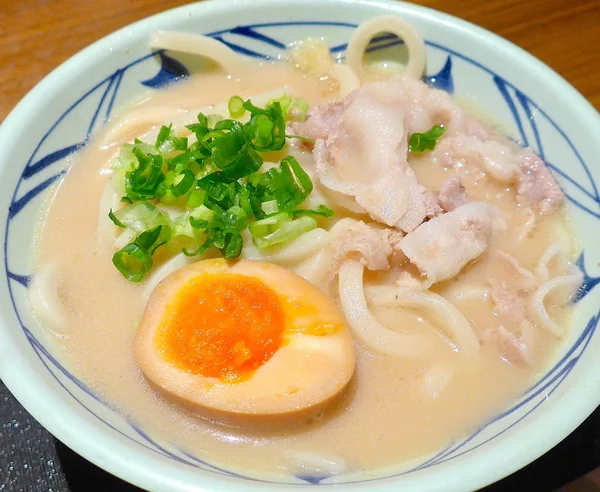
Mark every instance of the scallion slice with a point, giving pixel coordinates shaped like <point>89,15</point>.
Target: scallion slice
<point>421,142</point>
<point>279,228</point>
<point>236,107</point>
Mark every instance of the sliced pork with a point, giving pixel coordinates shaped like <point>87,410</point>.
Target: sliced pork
<point>510,285</point>
<point>505,163</point>
<point>496,159</point>
<point>373,246</point>
<point>515,349</point>
<point>537,187</point>
<point>452,194</point>
<point>441,247</point>
<point>362,146</point>
<point>509,306</point>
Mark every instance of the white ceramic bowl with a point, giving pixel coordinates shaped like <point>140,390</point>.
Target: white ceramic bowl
<point>533,102</point>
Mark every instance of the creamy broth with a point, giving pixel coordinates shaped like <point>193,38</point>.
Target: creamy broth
<point>394,411</point>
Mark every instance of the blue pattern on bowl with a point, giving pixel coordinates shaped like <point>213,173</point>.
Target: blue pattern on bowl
<point>583,195</point>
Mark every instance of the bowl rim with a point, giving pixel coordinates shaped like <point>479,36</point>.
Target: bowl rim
<point>133,468</point>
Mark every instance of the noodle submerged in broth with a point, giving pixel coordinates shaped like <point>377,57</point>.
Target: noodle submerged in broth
<point>422,258</point>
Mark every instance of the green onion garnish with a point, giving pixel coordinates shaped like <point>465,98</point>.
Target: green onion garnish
<point>279,228</point>
<point>298,110</point>
<point>236,107</point>
<point>420,142</point>
<point>216,183</point>
<point>133,262</point>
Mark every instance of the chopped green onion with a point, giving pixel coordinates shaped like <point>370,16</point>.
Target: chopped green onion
<point>140,217</point>
<point>279,228</point>
<point>163,135</point>
<point>183,183</point>
<point>236,107</point>
<point>167,142</point>
<point>304,139</point>
<point>284,101</point>
<point>298,110</point>
<point>183,161</point>
<point>320,211</point>
<point>184,225</point>
<point>149,240</point>
<point>217,181</point>
<point>266,128</point>
<point>196,198</point>
<point>133,262</point>
<point>421,142</point>
<point>145,181</point>
<point>135,259</point>
<point>116,221</point>
<point>213,119</point>
<point>270,207</point>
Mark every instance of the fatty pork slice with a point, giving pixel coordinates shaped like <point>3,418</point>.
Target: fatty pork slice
<point>372,245</point>
<point>452,194</point>
<point>537,187</point>
<point>507,164</point>
<point>441,247</point>
<point>361,151</point>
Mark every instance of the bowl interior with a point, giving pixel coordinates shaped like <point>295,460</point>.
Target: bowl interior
<point>533,104</point>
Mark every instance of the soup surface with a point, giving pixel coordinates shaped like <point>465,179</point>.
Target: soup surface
<point>395,409</point>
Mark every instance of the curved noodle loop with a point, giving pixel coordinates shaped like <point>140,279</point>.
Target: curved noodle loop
<point>365,327</point>
<point>536,307</point>
<point>542,269</point>
<point>293,252</point>
<point>137,123</point>
<point>406,32</point>
<point>347,79</point>
<point>196,44</point>
<point>45,301</point>
<point>175,263</point>
<point>439,310</point>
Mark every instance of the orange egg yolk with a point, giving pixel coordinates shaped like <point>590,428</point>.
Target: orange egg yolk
<point>223,326</point>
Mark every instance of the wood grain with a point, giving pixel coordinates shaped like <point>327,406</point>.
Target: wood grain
<point>38,35</point>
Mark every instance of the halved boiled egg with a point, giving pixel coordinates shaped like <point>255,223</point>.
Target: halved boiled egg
<point>244,341</point>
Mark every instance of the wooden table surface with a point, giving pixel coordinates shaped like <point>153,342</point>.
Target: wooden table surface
<point>37,35</point>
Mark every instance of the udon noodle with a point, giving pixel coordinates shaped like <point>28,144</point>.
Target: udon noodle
<point>449,265</point>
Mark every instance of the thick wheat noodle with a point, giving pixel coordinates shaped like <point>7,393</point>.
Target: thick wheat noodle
<point>339,197</point>
<point>316,268</point>
<point>517,267</point>
<point>106,231</point>
<point>386,24</point>
<point>368,331</point>
<point>441,311</point>
<point>139,122</point>
<point>468,292</point>
<point>167,268</point>
<point>528,226</point>
<point>315,463</point>
<point>293,252</point>
<point>347,79</point>
<point>340,193</point>
<point>536,307</point>
<point>45,301</point>
<point>196,44</point>
<point>150,120</point>
<point>542,270</point>
<point>290,253</point>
